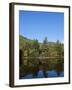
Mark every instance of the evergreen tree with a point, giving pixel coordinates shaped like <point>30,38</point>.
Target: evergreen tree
<point>45,41</point>
<point>45,48</point>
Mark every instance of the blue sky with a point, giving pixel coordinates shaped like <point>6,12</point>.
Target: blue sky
<point>38,25</point>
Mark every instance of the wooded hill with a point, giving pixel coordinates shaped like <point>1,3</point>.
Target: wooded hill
<point>46,49</point>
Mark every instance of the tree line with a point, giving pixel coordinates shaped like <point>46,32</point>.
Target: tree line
<point>45,49</point>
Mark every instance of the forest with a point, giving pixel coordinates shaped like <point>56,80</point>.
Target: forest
<point>35,55</point>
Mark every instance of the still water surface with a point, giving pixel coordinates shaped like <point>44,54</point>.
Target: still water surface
<point>46,68</point>
<point>40,74</point>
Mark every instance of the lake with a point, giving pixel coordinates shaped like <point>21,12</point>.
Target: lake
<point>42,68</point>
<point>40,74</point>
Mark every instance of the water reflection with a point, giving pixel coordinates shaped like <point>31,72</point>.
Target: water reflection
<point>36,68</point>
<point>40,74</point>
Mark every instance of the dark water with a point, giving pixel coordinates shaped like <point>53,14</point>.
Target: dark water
<point>38,69</point>
<point>40,74</point>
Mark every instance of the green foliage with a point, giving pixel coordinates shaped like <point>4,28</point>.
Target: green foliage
<point>31,50</point>
<point>59,49</point>
<point>36,44</point>
<point>23,41</point>
<point>44,48</point>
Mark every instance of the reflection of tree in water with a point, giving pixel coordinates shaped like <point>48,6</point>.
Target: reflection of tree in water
<point>41,66</point>
<point>59,66</point>
<point>34,68</point>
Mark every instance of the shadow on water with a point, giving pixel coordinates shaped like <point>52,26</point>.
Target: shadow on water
<point>35,68</point>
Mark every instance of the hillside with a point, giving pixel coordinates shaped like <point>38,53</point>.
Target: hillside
<point>23,40</point>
